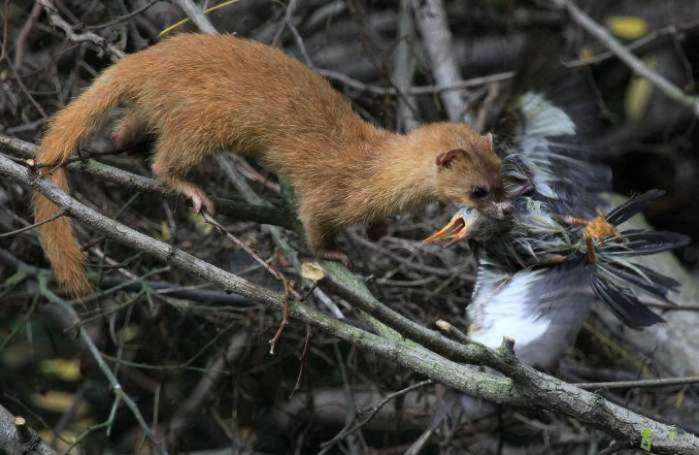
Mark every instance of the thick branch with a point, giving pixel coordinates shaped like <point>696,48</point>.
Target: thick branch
<point>529,389</point>
<point>263,213</point>
<point>432,21</point>
<point>17,437</point>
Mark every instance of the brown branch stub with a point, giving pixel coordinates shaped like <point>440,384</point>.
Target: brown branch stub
<point>25,434</point>
<point>16,437</point>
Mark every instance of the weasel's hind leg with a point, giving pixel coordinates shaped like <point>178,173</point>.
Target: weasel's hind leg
<point>320,236</point>
<point>174,158</point>
<point>131,129</point>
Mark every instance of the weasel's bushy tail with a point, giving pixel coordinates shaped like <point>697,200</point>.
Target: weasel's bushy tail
<point>68,129</point>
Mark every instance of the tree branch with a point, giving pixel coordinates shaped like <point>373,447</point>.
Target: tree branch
<point>526,387</point>
<point>263,212</point>
<point>72,35</point>
<point>633,62</point>
<point>432,21</point>
<point>17,437</point>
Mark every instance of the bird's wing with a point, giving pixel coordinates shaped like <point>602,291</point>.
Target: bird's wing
<point>552,179</point>
<point>534,307</point>
<point>544,157</point>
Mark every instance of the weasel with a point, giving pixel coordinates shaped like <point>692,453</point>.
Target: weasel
<point>202,94</point>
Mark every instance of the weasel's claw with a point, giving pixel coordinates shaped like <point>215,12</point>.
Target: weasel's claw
<point>201,201</point>
<point>196,204</point>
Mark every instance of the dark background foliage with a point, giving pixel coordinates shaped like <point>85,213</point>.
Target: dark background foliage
<point>165,334</point>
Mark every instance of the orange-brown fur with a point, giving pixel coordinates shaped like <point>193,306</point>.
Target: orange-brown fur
<point>202,94</point>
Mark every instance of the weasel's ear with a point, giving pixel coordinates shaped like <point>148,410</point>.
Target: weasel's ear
<point>446,159</point>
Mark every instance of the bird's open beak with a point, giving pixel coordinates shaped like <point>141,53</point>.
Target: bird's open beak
<point>456,229</point>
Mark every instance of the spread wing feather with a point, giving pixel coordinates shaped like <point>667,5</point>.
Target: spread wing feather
<point>549,176</point>
<point>625,304</point>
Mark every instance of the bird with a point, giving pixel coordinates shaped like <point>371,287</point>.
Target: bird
<point>562,250</point>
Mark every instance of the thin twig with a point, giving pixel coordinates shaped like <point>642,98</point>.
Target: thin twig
<point>266,213</point>
<point>265,264</point>
<point>117,389</point>
<point>633,62</point>
<point>72,35</point>
<point>23,35</point>
<point>349,429</point>
<point>458,84</point>
<point>285,318</point>
<point>661,382</point>
<point>302,361</point>
<point>638,44</point>
<point>123,18</point>
<point>195,14</point>
<point>288,288</point>
<point>32,226</point>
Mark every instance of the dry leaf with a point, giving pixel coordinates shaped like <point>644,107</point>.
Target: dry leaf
<point>312,271</point>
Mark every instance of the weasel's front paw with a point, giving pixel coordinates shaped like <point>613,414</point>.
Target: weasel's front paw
<point>201,200</point>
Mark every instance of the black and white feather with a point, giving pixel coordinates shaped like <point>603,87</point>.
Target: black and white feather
<point>536,281</point>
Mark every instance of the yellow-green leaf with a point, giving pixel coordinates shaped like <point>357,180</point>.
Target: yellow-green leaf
<point>66,439</point>
<point>628,27</point>
<point>638,96</point>
<point>201,225</point>
<point>65,369</point>
<point>57,401</point>
<point>585,53</point>
<point>128,333</point>
<point>165,233</point>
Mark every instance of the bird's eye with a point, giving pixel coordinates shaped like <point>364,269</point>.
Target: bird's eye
<point>479,192</point>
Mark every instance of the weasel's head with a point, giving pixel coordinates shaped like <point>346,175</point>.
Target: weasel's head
<point>466,168</point>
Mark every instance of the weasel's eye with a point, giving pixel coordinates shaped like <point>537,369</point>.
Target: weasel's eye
<point>478,192</point>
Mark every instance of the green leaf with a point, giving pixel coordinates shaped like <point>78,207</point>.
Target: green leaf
<point>638,95</point>
<point>628,27</point>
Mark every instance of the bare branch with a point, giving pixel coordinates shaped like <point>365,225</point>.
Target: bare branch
<point>526,388</point>
<point>432,21</point>
<point>17,437</point>
<point>262,212</point>
<point>74,36</point>
<point>197,15</point>
<point>633,62</point>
